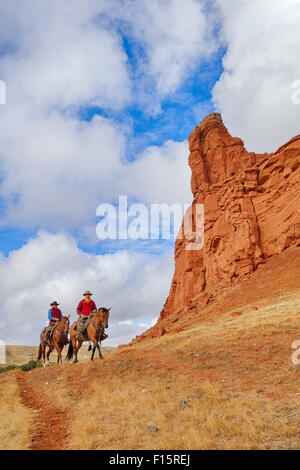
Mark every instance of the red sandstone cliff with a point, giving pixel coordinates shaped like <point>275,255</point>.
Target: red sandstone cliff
<point>251,213</point>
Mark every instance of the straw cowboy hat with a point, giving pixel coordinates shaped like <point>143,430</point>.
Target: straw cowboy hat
<point>87,292</point>
<point>54,303</point>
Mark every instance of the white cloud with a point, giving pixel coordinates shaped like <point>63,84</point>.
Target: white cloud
<point>260,65</point>
<point>56,170</point>
<point>52,267</point>
<point>69,54</point>
<point>61,55</point>
<point>160,174</point>
<point>176,36</point>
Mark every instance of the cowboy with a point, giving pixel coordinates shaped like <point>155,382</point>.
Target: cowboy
<point>54,316</point>
<point>84,309</point>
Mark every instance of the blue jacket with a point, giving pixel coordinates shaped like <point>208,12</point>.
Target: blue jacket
<point>58,315</point>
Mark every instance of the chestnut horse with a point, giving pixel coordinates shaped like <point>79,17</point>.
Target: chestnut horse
<point>93,332</point>
<point>58,340</point>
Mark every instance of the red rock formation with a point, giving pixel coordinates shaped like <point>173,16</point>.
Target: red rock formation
<point>251,213</point>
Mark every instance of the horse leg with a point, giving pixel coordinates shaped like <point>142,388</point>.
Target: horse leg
<point>93,352</point>
<point>58,350</point>
<point>59,358</point>
<point>76,349</point>
<point>44,354</point>
<point>99,351</point>
<point>94,341</point>
<point>74,345</point>
<point>48,355</point>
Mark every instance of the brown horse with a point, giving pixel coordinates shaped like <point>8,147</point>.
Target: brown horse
<point>58,340</point>
<point>94,333</point>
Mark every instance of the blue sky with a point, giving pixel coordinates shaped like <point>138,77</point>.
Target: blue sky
<point>178,113</point>
<point>101,99</point>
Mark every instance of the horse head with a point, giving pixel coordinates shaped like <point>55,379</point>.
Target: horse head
<point>104,315</point>
<point>65,322</point>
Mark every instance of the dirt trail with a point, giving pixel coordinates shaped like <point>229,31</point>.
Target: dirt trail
<point>51,422</point>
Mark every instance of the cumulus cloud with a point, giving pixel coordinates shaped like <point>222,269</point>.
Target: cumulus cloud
<point>70,54</point>
<point>56,168</point>
<point>59,54</point>
<point>52,267</point>
<point>55,171</point>
<point>176,37</point>
<point>261,63</point>
<point>160,174</point>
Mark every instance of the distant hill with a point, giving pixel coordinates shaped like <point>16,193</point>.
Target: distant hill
<point>22,354</point>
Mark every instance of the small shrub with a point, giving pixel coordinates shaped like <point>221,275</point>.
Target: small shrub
<point>29,365</point>
<point>24,367</point>
<point>7,368</point>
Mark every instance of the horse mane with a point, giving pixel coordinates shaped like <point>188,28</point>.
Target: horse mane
<point>104,309</point>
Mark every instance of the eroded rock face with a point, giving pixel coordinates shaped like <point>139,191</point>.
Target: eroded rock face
<point>251,212</point>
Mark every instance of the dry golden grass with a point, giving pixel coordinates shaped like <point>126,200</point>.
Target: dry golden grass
<point>277,315</point>
<point>16,419</point>
<point>235,373</point>
<point>118,414</point>
<point>141,393</point>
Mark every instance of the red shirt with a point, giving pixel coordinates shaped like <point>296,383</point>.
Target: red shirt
<point>85,308</point>
<point>55,313</point>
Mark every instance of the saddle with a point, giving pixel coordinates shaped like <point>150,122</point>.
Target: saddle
<point>49,333</point>
<point>82,335</point>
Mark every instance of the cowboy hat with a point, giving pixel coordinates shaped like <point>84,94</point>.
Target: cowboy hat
<point>87,292</point>
<point>54,303</point>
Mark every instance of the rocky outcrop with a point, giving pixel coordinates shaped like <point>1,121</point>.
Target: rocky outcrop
<point>251,213</point>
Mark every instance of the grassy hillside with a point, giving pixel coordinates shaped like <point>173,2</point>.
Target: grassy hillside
<point>227,383</point>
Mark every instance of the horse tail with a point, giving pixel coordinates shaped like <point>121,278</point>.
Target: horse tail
<point>70,351</point>
<point>40,353</point>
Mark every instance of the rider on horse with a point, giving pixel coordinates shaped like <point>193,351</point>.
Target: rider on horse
<point>85,308</point>
<point>54,316</point>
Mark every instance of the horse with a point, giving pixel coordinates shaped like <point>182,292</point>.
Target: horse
<point>94,333</point>
<point>58,340</point>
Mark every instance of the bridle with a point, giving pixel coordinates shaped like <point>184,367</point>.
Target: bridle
<point>100,326</point>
